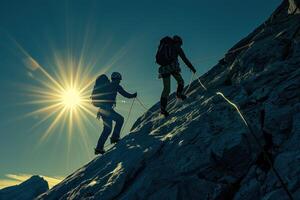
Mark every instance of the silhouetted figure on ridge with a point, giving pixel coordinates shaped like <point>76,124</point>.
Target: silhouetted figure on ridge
<point>104,97</point>
<point>167,57</point>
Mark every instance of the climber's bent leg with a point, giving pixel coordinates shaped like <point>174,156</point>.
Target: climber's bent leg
<point>180,85</point>
<point>119,119</point>
<point>107,127</point>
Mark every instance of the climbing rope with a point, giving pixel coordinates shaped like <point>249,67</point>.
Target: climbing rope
<point>220,55</point>
<point>191,80</point>
<point>259,144</point>
<point>128,116</point>
<point>129,113</point>
<point>143,105</point>
<point>198,78</point>
<point>240,48</point>
<point>284,186</point>
<point>126,121</point>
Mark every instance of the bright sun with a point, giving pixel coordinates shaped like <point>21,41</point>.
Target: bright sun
<point>59,91</point>
<point>63,98</point>
<point>71,98</point>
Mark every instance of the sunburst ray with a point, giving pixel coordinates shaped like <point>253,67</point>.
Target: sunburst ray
<point>60,93</point>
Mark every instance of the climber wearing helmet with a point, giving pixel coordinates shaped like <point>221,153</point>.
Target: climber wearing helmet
<point>167,57</point>
<point>108,114</point>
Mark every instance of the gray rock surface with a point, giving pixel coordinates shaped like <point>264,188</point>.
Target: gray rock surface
<point>27,190</point>
<point>204,150</point>
<point>294,6</point>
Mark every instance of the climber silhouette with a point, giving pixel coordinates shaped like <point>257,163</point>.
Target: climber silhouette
<point>167,57</point>
<point>104,97</point>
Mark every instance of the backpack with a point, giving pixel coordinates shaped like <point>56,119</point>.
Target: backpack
<point>100,94</point>
<point>166,53</point>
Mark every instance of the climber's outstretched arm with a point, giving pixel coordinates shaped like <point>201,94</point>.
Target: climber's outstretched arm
<point>186,60</point>
<point>126,94</point>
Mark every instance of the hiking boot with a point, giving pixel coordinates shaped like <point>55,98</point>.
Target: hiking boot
<point>164,112</point>
<point>181,97</point>
<point>114,140</point>
<point>99,151</point>
<point>163,106</point>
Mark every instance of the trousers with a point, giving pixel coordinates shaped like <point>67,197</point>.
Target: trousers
<point>167,84</point>
<point>108,116</point>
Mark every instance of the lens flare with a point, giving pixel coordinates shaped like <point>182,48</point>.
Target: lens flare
<point>61,98</point>
<point>71,98</point>
<point>58,94</point>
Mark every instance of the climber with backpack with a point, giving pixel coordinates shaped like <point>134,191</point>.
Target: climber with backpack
<point>167,57</point>
<point>104,97</point>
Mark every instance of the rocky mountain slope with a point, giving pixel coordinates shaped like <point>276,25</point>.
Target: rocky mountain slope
<point>204,150</point>
<point>27,190</point>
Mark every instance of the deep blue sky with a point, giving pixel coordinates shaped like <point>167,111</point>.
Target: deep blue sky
<point>131,29</point>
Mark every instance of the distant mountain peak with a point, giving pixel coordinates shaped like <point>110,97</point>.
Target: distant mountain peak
<point>27,190</point>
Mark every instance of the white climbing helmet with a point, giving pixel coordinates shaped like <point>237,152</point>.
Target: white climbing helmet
<point>116,76</point>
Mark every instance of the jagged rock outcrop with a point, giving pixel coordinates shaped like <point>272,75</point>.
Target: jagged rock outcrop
<point>294,7</point>
<point>204,150</point>
<point>28,190</point>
